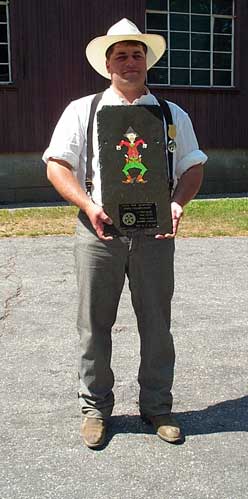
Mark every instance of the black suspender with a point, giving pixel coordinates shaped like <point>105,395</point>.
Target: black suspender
<point>168,118</point>
<point>88,178</point>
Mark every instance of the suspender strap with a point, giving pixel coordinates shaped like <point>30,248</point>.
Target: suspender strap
<point>168,118</point>
<point>88,178</point>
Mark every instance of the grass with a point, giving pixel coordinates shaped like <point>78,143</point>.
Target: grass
<point>222,217</point>
<point>38,221</point>
<point>202,218</point>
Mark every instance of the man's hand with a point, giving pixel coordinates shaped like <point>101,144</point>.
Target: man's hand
<point>97,218</point>
<point>60,175</point>
<point>176,214</point>
<point>187,187</point>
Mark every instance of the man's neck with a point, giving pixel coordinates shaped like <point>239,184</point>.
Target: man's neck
<point>128,92</point>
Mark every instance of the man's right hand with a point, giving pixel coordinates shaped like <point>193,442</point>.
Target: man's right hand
<point>60,174</point>
<point>98,218</point>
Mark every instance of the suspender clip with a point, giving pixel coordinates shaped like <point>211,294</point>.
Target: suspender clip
<point>88,185</point>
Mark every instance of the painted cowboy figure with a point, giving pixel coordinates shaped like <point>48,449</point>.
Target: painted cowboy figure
<point>103,262</point>
<point>133,156</point>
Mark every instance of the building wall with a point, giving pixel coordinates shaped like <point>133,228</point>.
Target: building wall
<point>50,69</point>
<point>49,64</point>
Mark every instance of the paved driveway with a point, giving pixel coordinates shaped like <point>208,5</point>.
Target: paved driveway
<point>41,455</point>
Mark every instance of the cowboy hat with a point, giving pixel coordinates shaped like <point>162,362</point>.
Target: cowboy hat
<point>123,31</point>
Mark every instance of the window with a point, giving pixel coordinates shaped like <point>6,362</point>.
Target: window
<point>5,69</point>
<point>200,42</point>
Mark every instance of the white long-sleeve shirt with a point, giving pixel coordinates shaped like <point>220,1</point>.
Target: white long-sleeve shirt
<point>69,139</point>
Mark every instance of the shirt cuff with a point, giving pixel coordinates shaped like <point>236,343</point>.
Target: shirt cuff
<point>69,157</point>
<point>193,158</point>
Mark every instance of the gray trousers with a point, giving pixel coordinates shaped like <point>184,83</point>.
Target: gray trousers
<point>101,268</point>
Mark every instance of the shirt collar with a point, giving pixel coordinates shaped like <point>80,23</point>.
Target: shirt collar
<point>111,95</point>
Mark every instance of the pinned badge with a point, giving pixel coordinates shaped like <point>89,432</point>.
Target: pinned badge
<point>172,132</point>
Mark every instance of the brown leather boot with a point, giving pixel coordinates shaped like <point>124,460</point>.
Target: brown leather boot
<point>93,431</point>
<point>166,427</point>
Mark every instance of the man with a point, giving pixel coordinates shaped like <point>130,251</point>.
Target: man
<point>123,55</point>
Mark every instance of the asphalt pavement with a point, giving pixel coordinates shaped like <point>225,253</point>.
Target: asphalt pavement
<point>41,454</point>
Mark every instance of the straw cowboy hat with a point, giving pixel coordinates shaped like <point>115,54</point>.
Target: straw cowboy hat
<point>123,31</point>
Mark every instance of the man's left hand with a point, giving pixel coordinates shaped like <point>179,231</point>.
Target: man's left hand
<point>176,214</point>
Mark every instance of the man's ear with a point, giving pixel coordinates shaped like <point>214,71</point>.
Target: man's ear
<point>107,65</point>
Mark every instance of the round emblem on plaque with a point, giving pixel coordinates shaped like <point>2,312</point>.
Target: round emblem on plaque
<point>129,218</point>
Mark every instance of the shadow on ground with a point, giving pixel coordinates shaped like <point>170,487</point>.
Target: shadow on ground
<point>227,416</point>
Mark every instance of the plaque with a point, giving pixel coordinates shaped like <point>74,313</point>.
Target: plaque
<point>133,168</point>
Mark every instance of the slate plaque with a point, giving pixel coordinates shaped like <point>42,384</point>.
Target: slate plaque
<point>133,169</point>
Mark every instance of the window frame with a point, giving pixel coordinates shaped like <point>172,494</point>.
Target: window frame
<point>10,80</point>
<point>233,53</point>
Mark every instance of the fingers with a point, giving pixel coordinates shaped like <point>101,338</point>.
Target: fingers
<point>175,223</point>
<point>106,219</point>
<point>102,219</point>
<point>101,235</point>
<point>176,214</point>
<point>99,228</point>
<point>165,236</point>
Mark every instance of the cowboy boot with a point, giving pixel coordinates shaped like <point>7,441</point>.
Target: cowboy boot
<point>140,180</point>
<point>129,180</point>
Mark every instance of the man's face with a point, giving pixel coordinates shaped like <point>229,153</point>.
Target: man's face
<point>127,63</point>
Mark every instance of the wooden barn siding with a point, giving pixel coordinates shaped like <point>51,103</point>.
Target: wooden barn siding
<point>50,69</point>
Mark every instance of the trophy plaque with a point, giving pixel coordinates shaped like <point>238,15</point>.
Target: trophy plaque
<point>133,168</point>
